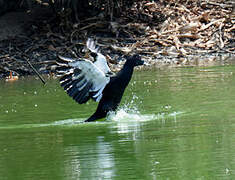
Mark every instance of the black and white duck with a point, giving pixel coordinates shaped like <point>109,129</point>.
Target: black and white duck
<point>83,79</point>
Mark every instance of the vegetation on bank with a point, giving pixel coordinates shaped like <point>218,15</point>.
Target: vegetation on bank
<point>157,30</point>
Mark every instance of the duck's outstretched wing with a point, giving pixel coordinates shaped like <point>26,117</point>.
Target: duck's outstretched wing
<point>100,60</point>
<point>81,79</point>
<point>91,45</point>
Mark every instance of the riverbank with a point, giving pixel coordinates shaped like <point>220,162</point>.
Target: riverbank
<point>164,33</point>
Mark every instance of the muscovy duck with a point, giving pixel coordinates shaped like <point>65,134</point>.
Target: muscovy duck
<point>83,79</point>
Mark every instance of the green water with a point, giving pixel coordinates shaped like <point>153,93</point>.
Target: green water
<point>172,124</point>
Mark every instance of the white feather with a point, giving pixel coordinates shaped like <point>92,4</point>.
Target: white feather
<point>100,61</point>
<point>90,43</point>
<point>91,74</point>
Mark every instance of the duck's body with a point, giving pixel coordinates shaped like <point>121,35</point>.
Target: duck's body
<point>83,80</point>
<point>112,93</point>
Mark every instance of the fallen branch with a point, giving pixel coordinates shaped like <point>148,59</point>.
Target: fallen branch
<point>211,23</point>
<point>40,77</point>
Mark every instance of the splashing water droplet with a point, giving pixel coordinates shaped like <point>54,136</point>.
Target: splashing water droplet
<point>167,107</point>
<point>227,170</point>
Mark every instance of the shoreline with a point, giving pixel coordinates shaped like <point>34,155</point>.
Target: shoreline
<point>196,61</point>
<point>162,33</point>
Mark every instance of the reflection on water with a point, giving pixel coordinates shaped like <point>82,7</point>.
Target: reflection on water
<point>99,165</point>
<point>172,124</point>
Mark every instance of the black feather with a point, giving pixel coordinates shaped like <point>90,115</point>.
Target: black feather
<point>83,95</point>
<point>67,76</point>
<point>62,68</point>
<point>74,88</point>
<point>69,82</point>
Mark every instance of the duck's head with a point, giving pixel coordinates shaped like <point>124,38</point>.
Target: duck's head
<point>135,60</point>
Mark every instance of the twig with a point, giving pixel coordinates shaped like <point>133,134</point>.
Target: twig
<point>211,23</point>
<point>221,5</point>
<point>5,56</point>
<point>44,62</point>
<point>40,77</point>
<point>220,36</point>
<point>97,24</point>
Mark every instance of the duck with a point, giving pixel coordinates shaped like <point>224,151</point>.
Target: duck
<point>83,80</point>
<point>12,77</point>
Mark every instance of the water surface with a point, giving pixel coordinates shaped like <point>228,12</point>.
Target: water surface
<point>174,123</point>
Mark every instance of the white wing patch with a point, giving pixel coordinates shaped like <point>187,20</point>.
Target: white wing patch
<point>92,74</point>
<point>82,79</point>
<point>91,45</point>
<point>100,61</point>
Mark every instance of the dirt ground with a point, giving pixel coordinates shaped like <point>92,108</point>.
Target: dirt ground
<point>13,24</point>
<point>20,22</point>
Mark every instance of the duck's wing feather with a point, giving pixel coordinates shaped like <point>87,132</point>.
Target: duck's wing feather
<point>91,45</point>
<point>81,79</point>
<point>100,59</point>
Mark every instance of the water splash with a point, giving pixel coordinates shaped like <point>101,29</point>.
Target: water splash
<point>129,115</point>
<point>128,118</point>
<point>130,112</point>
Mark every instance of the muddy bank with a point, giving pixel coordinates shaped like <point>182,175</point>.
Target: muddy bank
<point>163,32</point>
